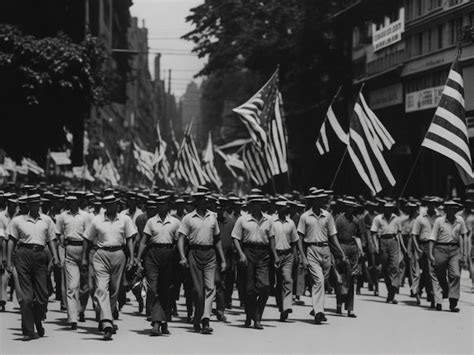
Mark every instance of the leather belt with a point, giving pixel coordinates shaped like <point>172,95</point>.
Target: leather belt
<point>423,241</point>
<point>447,244</point>
<point>201,247</point>
<point>255,246</point>
<point>162,245</point>
<point>387,236</point>
<point>115,248</point>
<point>73,242</point>
<point>284,251</point>
<point>317,244</point>
<point>347,242</point>
<point>34,247</point>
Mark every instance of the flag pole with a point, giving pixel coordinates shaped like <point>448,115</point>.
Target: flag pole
<point>424,137</point>
<point>348,139</point>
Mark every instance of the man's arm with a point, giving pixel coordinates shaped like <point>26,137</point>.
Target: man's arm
<point>10,247</point>
<point>142,246</point>
<point>335,241</point>
<point>271,239</point>
<point>304,260</point>
<point>130,245</point>
<point>183,261</point>
<point>220,251</point>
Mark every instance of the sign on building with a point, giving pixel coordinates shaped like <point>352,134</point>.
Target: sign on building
<point>390,33</point>
<point>387,96</point>
<point>423,99</point>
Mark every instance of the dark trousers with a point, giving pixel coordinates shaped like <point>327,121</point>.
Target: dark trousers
<point>182,276</point>
<point>257,282</point>
<point>229,276</point>
<point>158,265</point>
<point>352,254</point>
<point>32,268</point>
<point>202,264</point>
<point>448,272</point>
<point>389,258</point>
<point>426,272</point>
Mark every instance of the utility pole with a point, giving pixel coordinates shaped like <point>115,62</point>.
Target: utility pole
<point>169,81</point>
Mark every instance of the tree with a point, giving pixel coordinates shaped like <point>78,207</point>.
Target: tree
<point>254,36</point>
<point>47,83</point>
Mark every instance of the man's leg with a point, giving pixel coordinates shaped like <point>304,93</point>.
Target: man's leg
<point>73,276</point>
<point>152,274</point>
<point>209,272</point>
<point>439,271</point>
<point>40,273</point>
<point>23,266</point>
<point>250,290</point>
<point>454,274</point>
<point>117,260</point>
<point>287,282</point>
<point>195,268</point>
<point>262,282</point>
<point>317,276</point>
<point>102,265</point>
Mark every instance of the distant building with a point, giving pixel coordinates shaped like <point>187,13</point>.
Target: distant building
<point>402,52</point>
<point>190,106</point>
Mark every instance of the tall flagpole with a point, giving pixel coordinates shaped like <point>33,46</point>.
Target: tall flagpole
<point>348,142</point>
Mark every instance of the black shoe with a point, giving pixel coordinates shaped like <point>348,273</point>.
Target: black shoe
<point>248,321</point>
<point>351,315</point>
<point>453,303</point>
<point>206,329</point>
<point>197,327</point>
<point>40,330</point>
<point>376,293</point>
<point>108,333</point>
<point>371,287</point>
<point>394,301</point>
<point>221,317</point>
<point>432,305</point>
<point>324,318</point>
<point>318,318</point>
<point>63,308</point>
<point>358,291</point>
<point>339,309</point>
<point>155,331</point>
<point>284,315</point>
<point>418,300</point>
<point>28,337</point>
<point>258,325</point>
<point>228,305</point>
<point>164,329</point>
<point>115,314</point>
<point>439,307</point>
<point>82,318</point>
<point>73,326</point>
<point>312,313</point>
<point>2,308</point>
<point>114,328</point>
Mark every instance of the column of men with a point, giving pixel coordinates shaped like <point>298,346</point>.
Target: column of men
<point>102,247</point>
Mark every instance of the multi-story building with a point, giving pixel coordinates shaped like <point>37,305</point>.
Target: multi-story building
<point>190,107</point>
<point>401,52</point>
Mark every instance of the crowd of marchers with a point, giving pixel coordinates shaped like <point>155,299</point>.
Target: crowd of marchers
<point>100,245</point>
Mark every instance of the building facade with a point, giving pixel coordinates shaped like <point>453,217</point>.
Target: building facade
<point>401,53</point>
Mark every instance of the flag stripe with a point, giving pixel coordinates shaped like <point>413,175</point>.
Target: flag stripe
<point>448,132</point>
<point>343,137</point>
<point>360,169</point>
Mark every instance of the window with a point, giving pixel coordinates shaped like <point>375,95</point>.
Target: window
<point>440,36</point>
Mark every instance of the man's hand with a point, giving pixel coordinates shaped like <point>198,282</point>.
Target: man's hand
<point>184,263</point>
<point>277,262</point>
<point>243,259</point>
<point>223,266</point>
<point>304,262</point>
<point>432,259</point>
<point>129,265</point>
<point>56,262</point>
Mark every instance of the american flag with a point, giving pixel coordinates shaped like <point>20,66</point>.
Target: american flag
<point>208,163</point>
<point>161,163</point>
<point>448,134</point>
<point>368,138</point>
<point>32,166</point>
<point>145,161</point>
<point>256,164</point>
<point>187,165</point>
<point>322,143</point>
<point>263,117</point>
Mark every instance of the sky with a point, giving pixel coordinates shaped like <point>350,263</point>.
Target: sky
<point>165,20</point>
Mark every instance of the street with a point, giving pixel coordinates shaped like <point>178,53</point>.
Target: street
<point>380,327</point>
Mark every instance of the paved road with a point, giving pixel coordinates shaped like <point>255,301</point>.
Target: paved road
<point>380,327</point>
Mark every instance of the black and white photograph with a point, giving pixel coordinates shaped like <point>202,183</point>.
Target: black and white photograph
<point>236,176</point>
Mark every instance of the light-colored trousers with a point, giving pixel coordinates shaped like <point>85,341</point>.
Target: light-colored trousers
<point>108,271</point>
<point>77,287</point>
<point>319,264</point>
<point>285,282</point>
<point>447,259</point>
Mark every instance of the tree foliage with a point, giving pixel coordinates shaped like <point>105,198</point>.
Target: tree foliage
<point>51,66</point>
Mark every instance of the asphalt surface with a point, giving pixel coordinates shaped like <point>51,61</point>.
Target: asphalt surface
<point>379,328</point>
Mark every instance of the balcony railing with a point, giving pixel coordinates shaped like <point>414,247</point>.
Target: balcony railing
<point>385,62</point>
